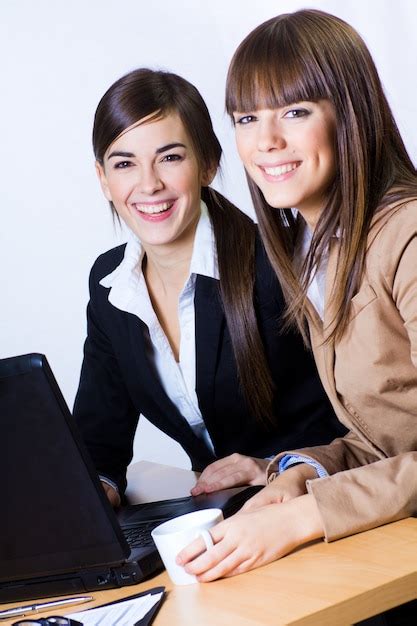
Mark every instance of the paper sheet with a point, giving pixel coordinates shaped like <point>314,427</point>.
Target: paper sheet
<point>125,613</point>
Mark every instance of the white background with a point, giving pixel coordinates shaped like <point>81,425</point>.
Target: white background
<point>57,59</point>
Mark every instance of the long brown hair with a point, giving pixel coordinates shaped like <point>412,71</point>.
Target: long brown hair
<point>310,55</point>
<point>145,92</point>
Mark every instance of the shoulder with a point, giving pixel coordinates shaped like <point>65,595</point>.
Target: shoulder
<point>394,219</point>
<point>392,231</point>
<point>107,262</point>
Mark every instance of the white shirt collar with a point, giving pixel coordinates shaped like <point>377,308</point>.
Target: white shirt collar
<point>204,257</point>
<point>126,276</point>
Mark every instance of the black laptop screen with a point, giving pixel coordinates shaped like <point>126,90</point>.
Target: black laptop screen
<point>54,516</point>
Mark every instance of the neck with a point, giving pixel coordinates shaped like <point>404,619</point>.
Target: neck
<point>310,220</point>
<point>167,267</point>
<point>311,212</point>
<point>169,271</point>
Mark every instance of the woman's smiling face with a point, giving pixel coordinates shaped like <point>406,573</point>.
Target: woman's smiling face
<point>289,152</point>
<point>151,175</point>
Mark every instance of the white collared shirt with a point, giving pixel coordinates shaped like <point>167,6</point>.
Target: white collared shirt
<point>129,292</point>
<point>317,287</point>
<point>316,291</point>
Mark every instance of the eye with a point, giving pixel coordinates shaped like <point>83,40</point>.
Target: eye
<point>121,165</point>
<point>296,113</point>
<point>169,158</point>
<point>244,119</point>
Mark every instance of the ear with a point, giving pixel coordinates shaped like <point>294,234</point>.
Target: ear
<point>103,181</point>
<point>208,175</point>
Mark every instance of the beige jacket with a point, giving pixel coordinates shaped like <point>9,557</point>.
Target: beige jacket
<point>370,376</point>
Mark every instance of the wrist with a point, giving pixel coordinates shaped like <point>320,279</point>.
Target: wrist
<point>297,476</point>
<point>306,471</point>
<point>309,525</point>
<point>259,477</point>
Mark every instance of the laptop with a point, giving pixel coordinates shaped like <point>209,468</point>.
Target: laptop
<point>58,532</point>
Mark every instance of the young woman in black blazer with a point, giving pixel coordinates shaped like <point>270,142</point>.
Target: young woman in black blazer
<point>184,320</point>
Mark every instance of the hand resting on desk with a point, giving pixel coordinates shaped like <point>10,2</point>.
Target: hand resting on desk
<point>271,524</point>
<point>231,471</point>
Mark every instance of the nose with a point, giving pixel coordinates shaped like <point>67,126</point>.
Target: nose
<point>149,181</point>
<point>270,135</point>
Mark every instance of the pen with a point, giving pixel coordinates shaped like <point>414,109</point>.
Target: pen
<point>21,611</point>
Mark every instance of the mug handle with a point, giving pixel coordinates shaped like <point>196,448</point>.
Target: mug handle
<point>207,538</point>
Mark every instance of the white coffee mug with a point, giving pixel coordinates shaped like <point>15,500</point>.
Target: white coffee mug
<point>172,536</point>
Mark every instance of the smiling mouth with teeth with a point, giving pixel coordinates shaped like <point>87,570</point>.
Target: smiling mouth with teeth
<point>279,170</point>
<point>154,209</point>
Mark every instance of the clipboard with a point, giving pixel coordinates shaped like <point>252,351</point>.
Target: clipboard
<point>148,618</point>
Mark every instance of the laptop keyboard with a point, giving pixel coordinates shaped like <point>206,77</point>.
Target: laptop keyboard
<point>139,536</point>
<point>138,532</point>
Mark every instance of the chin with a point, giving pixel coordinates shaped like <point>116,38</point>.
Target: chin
<point>281,202</point>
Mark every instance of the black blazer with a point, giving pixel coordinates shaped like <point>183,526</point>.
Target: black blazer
<point>118,383</point>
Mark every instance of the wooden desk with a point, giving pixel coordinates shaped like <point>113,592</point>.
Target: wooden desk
<point>319,585</point>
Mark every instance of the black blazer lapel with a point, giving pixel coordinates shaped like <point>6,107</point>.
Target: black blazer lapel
<point>209,326</point>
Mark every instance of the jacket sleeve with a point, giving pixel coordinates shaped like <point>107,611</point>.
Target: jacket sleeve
<point>343,453</point>
<point>103,410</point>
<point>364,489</point>
<point>363,497</point>
<point>368,496</point>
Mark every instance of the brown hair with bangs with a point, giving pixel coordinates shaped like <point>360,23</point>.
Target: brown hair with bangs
<point>310,55</point>
<point>145,93</point>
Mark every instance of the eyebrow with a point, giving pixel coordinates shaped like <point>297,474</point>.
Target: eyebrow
<point>130,155</point>
<point>169,146</point>
<point>118,153</point>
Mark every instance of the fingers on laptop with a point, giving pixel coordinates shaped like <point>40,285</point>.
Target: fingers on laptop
<point>231,471</point>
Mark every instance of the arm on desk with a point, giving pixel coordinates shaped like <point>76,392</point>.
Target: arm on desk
<point>337,506</point>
